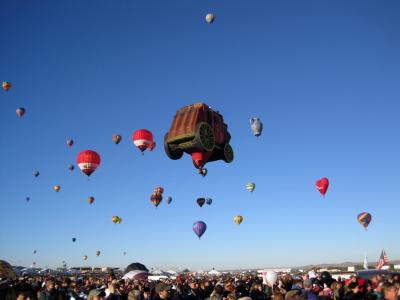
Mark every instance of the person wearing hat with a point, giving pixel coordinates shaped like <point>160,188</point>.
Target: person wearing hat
<point>162,291</point>
<point>96,295</point>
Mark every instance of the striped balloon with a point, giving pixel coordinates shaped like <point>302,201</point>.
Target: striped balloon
<point>199,228</point>
<point>364,219</point>
<point>250,186</point>
<point>88,161</point>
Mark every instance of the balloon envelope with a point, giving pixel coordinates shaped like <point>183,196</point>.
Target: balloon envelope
<point>199,228</point>
<point>256,126</point>
<point>208,201</point>
<point>364,219</point>
<point>74,240</point>
<point>6,85</point>
<point>250,186</point>
<point>116,138</point>
<point>88,161</point>
<point>201,201</point>
<point>238,219</point>
<point>169,200</point>
<point>36,173</point>
<point>210,18</point>
<point>20,111</point>
<point>322,185</point>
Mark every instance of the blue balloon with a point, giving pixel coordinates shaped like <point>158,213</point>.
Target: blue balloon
<point>199,228</point>
<point>169,200</point>
<point>209,201</point>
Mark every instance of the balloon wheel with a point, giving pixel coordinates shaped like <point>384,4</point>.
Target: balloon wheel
<point>228,153</point>
<point>205,136</point>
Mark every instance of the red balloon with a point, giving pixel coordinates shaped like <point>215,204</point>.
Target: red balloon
<point>322,185</point>
<point>143,139</point>
<point>88,161</point>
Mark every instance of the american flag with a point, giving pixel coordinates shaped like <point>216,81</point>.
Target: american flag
<point>383,259</point>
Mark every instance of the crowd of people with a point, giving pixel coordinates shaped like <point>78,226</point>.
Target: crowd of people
<point>186,287</point>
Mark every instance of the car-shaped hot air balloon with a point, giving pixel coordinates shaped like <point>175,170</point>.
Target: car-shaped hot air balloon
<point>200,131</point>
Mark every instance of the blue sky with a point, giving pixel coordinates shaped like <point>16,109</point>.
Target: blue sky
<point>322,75</point>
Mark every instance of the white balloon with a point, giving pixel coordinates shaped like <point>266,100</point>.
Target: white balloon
<point>210,18</point>
<point>271,277</point>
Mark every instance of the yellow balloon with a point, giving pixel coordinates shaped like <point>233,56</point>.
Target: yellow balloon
<point>238,219</point>
<point>57,188</point>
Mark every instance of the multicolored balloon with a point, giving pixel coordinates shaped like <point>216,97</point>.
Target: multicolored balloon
<point>20,111</point>
<point>199,228</point>
<point>90,200</point>
<point>156,199</point>
<point>88,161</point>
<point>250,186</point>
<point>256,126</point>
<point>364,219</point>
<point>98,253</point>
<point>71,167</point>
<point>210,18</point>
<point>6,85</point>
<point>143,139</point>
<point>116,219</point>
<point>57,188</point>
<point>238,219</point>
<point>36,173</point>
<point>201,201</point>
<point>322,185</point>
<point>116,138</point>
<point>70,142</point>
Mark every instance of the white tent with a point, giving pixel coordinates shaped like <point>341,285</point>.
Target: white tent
<point>214,272</point>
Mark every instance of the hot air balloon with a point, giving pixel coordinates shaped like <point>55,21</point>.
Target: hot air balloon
<point>169,200</point>
<point>143,139</point>
<point>199,228</point>
<point>208,201</point>
<point>74,240</point>
<point>116,138</point>
<point>364,219</point>
<point>85,257</point>
<point>124,253</point>
<point>36,173</point>
<point>98,253</point>
<point>238,219</point>
<point>200,201</point>
<point>159,190</point>
<point>322,185</point>
<point>27,199</point>
<point>20,111</point>
<point>71,167</point>
<point>34,251</point>
<point>70,142</point>
<point>119,220</point>
<point>156,199</point>
<point>6,85</point>
<point>210,18</point>
<point>88,161</point>
<point>116,219</point>
<point>90,200</point>
<point>57,188</point>
<point>256,126</point>
<point>250,186</point>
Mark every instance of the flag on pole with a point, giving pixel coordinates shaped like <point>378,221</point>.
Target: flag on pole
<point>383,259</point>
<point>365,262</point>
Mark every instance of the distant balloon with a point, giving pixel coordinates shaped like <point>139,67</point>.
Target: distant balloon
<point>201,201</point>
<point>57,188</point>
<point>250,187</point>
<point>238,219</point>
<point>208,201</point>
<point>20,111</point>
<point>27,199</point>
<point>169,200</point>
<point>36,173</point>
<point>256,126</point>
<point>364,219</point>
<point>74,240</point>
<point>90,200</point>
<point>70,142</point>
<point>124,253</point>
<point>98,253</point>
<point>6,85</point>
<point>85,257</point>
<point>156,199</point>
<point>116,138</point>
<point>199,228</point>
<point>116,219</point>
<point>322,185</point>
<point>34,251</point>
<point>71,167</point>
<point>159,190</point>
<point>210,18</point>
<point>143,139</point>
<point>88,161</point>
